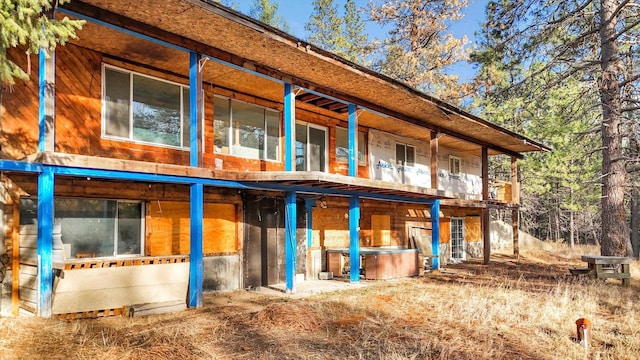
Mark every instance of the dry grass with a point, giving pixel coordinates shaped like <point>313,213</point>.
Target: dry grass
<point>510,309</point>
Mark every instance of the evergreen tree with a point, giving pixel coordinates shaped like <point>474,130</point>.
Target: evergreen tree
<point>355,48</point>
<point>266,12</point>
<point>325,26</point>
<point>593,42</point>
<point>27,25</point>
<point>418,48</point>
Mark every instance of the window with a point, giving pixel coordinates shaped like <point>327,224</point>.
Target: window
<point>101,228</point>
<point>246,130</point>
<point>145,109</point>
<point>311,148</point>
<point>405,155</point>
<point>454,165</point>
<point>457,238</point>
<point>342,146</point>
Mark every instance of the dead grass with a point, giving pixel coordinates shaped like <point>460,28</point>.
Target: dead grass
<point>509,309</point>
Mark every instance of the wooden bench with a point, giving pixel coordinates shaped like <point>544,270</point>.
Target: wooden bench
<point>606,267</point>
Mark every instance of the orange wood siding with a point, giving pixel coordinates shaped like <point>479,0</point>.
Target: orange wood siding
<point>330,227</point>
<point>168,228</point>
<point>472,228</point>
<point>19,110</point>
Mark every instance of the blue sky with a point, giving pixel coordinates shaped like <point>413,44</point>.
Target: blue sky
<point>297,12</point>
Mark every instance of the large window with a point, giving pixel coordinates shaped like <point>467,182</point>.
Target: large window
<point>100,228</point>
<point>311,148</point>
<point>342,146</point>
<point>405,155</point>
<point>145,109</point>
<point>246,130</point>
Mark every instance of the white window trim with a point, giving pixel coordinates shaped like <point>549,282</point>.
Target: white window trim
<point>452,157</point>
<point>406,146</point>
<point>130,138</point>
<point>230,129</point>
<point>364,142</point>
<point>308,125</point>
<point>464,241</point>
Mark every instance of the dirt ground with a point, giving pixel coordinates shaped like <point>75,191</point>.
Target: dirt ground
<point>509,309</point>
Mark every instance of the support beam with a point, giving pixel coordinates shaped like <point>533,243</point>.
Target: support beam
<point>435,234</point>
<point>15,265</point>
<point>45,241</point>
<point>289,128</point>
<point>195,107</point>
<point>290,245</point>
<point>46,101</point>
<point>515,220</point>
<point>309,204</point>
<point>485,174</point>
<point>434,160</point>
<point>353,141</point>
<point>354,239</point>
<point>486,236</point>
<point>196,268</point>
<point>515,184</point>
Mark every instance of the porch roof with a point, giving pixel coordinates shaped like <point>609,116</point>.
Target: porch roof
<point>217,31</point>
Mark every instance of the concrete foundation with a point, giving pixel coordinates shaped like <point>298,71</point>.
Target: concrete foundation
<point>221,273</point>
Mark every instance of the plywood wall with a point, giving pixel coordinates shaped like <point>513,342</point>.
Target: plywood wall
<point>472,229</point>
<point>168,228</point>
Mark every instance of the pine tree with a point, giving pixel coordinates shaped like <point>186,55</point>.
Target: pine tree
<point>355,44</point>
<point>266,12</point>
<point>325,26</point>
<point>588,42</point>
<point>27,25</point>
<point>418,48</point>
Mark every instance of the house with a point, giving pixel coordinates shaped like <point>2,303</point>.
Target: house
<point>185,148</point>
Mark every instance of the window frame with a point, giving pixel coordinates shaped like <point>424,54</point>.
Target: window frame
<point>362,143</point>
<point>183,106</point>
<point>459,161</point>
<point>230,129</point>
<point>325,129</point>
<point>405,163</point>
<point>116,225</point>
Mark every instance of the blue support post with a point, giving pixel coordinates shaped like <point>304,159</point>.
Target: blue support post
<point>290,245</point>
<point>309,204</point>
<point>353,141</point>
<point>435,234</point>
<point>194,109</point>
<point>196,268</point>
<point>354,238</point>
<point>45,241</point>
<point>289,128</point>
<point>46,100</point>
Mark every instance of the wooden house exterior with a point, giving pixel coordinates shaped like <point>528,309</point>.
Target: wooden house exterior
<point>178,149</point>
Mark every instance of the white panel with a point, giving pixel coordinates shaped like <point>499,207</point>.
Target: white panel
<point>382,159</point>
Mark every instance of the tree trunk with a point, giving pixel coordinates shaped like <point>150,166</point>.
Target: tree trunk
<point>635,243</point>
<point>615,234</point>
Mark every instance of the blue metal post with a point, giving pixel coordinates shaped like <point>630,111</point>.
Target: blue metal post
<point>195,265</point>
<point>45,240</point>
<point>354,238</point>
<point>290,246</point>
<point>353,141</point>
<point>194,108</point>
<point>45,102</point>
<point>309,204</point>
<point>289,128</point>
<point>435,234</point>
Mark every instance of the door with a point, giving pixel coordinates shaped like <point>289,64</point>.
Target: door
<point>264,240</point>
<point>457,239</point>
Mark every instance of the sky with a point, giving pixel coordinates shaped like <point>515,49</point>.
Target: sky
<point>296,13</point>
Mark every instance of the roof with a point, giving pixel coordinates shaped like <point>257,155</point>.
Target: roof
<point>218,31</point>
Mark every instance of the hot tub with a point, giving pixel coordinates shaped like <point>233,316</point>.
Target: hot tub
<point>376,262</point>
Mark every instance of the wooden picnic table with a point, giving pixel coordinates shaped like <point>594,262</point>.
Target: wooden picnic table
<point>609,267</point>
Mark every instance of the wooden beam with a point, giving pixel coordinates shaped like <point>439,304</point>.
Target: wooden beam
<point>290,244</point>
<point>434,159</point>
<point>485,174</point>
<point>196,268</point>
<point>515,221</point>
<point>46,100</point>
<point>15,254</point>
<point>486,236</point>
<point>515,184</point>
<point>354,239</point>
<point>45,241</point>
